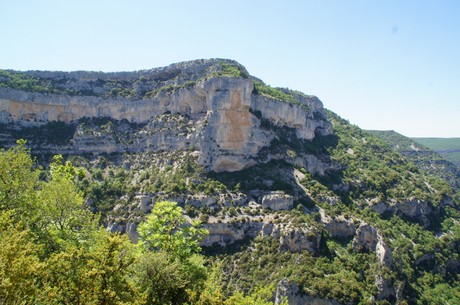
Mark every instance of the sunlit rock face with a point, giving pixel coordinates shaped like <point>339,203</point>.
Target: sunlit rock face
<point>221,117</point>
<point>369,239</point>
<point>418,211</point>
<point>278,201</point>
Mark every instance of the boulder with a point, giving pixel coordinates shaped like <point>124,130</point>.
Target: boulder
<point>340,227</point>
<point>145,203</point>
<point>278,201</point>
<point>366,238</point>
<point>131,230</point>
<point>224,233</point>
<point>115,227</point>
<point>296,239</point>
<point>289,291</point>
<point>418,211</point>
<point>369,239</point>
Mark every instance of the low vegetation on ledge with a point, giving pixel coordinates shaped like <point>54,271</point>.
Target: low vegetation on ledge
<point>319,211</point>
<point>139,86</point>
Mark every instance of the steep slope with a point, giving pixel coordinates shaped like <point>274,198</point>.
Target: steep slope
<point>449,148</point>
<point>425,158</point>
<point>292,194</point>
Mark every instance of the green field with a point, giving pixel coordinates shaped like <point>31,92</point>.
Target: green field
<point>449,148</point>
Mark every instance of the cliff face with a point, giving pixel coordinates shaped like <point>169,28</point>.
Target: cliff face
<point>220,116</point>
<point>334,218</point>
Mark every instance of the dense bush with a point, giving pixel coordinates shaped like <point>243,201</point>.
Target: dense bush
<point>52,250</point>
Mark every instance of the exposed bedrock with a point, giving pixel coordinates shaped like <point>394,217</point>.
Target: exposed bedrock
<point>216,117</point>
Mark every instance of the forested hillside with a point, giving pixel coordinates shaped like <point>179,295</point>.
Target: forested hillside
<point>54,251</point>
<point>199,184</point>
<point>449,148</point>
<point>426,158</point>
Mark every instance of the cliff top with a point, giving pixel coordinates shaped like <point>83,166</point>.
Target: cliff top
<point>197,66</point>
<point>136,85</point>
<point>131,85</point>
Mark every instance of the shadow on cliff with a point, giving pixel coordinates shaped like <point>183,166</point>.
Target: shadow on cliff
<point>230,249</point>
<point>276,163</point>
<point>54,133</point>
<point>271,176</point>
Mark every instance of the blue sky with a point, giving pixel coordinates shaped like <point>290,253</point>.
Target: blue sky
<point>379,64</point>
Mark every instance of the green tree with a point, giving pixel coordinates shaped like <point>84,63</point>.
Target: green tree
<point>64,209</point>
<point>166,281</point>
<point>95,275</point>
<point>260,296</point>
<point>168,230</point>
<point>20,266</point>
<point>18,183</point>
<point>63,217</point>
<point>173,270</point>
<point>211,292</point>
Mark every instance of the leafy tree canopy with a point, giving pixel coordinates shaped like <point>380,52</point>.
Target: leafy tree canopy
<point>168,230</point>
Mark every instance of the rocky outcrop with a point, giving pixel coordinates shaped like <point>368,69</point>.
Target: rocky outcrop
<point>384,253</point>
<point>369,239</point>
<point>278,201</point>
<point>289,291</point>
<point>296,239</point>
<point>339,227</point>
<point>232,137</point>
<point>131,230</point>
<point>189,108</point>
<point>418,211</point>
<point>224,234</point>
<point>145,203</point>
<point>294,116</point>
<point>385,289</point>
<point>366,238</point>
<point>291,238</point>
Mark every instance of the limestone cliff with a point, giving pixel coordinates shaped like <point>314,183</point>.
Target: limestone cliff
<point>207,105</point>
<point>334,218</point>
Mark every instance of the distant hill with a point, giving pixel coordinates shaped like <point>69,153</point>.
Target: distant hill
<point>449,148</point>
<point>426,157</point>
